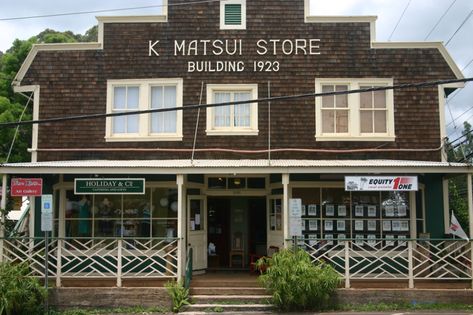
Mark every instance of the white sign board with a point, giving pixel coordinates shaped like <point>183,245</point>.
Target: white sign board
<point>295,221</point>
<point>46,213</point>
<point>381,183</point>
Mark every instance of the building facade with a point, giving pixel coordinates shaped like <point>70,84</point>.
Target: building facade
<point>133,193</point>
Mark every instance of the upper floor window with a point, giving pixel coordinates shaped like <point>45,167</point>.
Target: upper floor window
<point>238,119</point>
<point>134,95</point>
<point>233,14</point>
<point>351,117</point>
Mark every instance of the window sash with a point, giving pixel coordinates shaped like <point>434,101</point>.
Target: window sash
<point>232,116</point>
<point>163,96</point>
<point>126,98</point>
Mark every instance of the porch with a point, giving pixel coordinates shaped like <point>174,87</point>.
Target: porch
<point>361,263</point>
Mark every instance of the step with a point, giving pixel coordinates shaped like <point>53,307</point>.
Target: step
<point>227,291</point>
<point>225,283</point>
<point>231,299</point>
<point>219,308</point>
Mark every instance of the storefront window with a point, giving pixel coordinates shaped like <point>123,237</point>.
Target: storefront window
<point>153,213</point>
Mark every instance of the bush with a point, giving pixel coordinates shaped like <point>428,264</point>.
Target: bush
<point>19,293</point>
<point>178,293</point>
<point>296,283</point>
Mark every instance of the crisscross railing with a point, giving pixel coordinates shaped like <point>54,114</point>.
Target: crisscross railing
<point>393,259</point>
<point>95,258</point>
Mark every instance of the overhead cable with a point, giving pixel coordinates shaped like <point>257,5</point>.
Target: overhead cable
<point>262,100</point>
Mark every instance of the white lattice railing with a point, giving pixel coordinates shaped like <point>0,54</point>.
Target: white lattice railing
<point>388,259</point>
<point>95,258</point>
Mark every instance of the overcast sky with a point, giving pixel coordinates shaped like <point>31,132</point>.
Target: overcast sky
<point>417,22</point>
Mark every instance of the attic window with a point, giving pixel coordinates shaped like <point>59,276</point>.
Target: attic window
<point>233,14</point>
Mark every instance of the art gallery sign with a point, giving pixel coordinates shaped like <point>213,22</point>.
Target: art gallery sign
<point>264,48</point>
<point>381,183</point>
<point>85,186</point>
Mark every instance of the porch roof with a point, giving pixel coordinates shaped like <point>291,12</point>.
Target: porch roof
<point>234,166</point>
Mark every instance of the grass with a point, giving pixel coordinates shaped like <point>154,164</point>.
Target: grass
<point>413,306</point>
<point>118,310</point>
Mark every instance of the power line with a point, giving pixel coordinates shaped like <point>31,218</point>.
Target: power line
<point>459,28</point>
<point>104,10</point>
<point>453,120</point>
<point>399,21</point>
<point>262,100</point>
<point>440,19</point>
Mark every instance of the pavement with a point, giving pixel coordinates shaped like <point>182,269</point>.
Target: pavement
<point>433,312</point>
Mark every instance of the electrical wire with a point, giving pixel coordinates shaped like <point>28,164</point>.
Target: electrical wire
<point>105,10</point>
<point>399,21</point>
<point>459,28</point>
<point>259,100</point>
<point>440,19</point>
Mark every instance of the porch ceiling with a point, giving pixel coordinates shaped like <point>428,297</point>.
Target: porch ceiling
<point>235,167</point>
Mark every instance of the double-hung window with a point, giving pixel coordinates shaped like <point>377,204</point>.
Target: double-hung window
<point>136,95</point>
<point>234,119</point>
<point>233,14</point>
<point>367,116</point>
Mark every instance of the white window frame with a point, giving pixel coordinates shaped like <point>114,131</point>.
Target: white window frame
<point>144,133</point>
<point>211,130</point>
<point>224,26</point>
<point>354,133</point>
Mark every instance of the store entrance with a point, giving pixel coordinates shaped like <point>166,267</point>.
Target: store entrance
<point>236,231</point>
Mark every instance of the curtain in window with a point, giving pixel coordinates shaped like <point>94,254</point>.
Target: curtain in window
<point>334,110</point>
<point>222,113</point>
<point>373,111</point>
<point>163,97</point>
<point>126,98</point>
<point>242,117</point>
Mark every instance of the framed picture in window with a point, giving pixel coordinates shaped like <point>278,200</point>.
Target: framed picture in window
<point>389,211</point>
<point>340,225</point>
<point>313,225</point>
<point>371,240</point>
<point>342,210</point>
<point>400,240</point>
<point>359,225</point>
<point>328,226</point>
<point>329,210</point>
<point>396,225</point>
<point>404,226</point>
<point>372,211</point>
<point>402,210</point>
<point>389,240</point>
<point>371,225</point>
<point>359,211</point>
<point>387,225</point>
<point>312,239</point>
<point>312,210</point>
<point>359,238</point>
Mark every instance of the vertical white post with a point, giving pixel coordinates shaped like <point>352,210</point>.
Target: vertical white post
<point>413,212</point>
<point>470,217</point>
<point>119,263</point>
<point>410,264</point>
<point>285,208</point>
<point>59,263</point>
<point>347,264</point>
<point>446,206</point>
<point>3,205</point>
<point>180,227</point>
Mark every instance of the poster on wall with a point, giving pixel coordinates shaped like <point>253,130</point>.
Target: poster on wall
<point>381,183</point>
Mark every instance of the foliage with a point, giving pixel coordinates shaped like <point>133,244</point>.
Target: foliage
<point>12,104</point>
<point>19,293</point>
<point>178,293</point>
<point>296,283</point>
<point>118,310</point>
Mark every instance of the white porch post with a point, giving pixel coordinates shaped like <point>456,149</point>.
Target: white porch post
<point>470,217</point>
<point>181,248</point>
<point>413,235</point>
<point>3,205</point>
<point>285,208</point>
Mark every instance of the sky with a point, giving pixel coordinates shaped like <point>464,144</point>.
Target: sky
<point>418,20</point>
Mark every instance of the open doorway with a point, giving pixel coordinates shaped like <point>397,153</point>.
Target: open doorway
<point>237,229</point>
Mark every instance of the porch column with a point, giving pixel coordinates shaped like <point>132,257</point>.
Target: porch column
<point>470,217</point>
<point>181,255</point>
<point>285,208</point>
<point>3,205</point>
